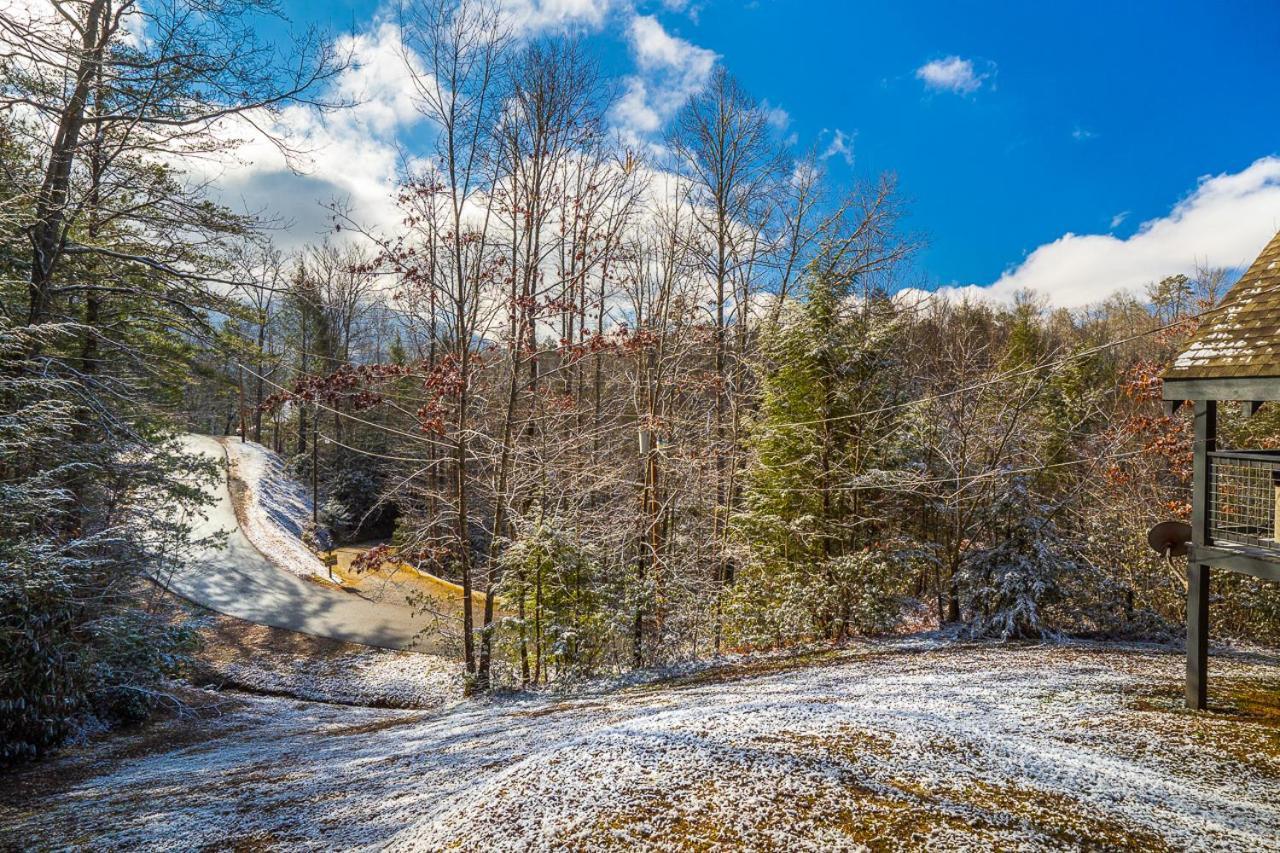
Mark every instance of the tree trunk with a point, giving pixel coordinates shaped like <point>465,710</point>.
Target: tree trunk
<point>50,215</point>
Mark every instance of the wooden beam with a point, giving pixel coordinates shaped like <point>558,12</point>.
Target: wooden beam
<point>1238,388</point>
<point>1171,406</point>
<point>1253,563</point>
<point>1206,442</point>
<point>1197,692</point>
<point>1249,408</point>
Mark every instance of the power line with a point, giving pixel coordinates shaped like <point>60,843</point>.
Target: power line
<point>911,484</point>
<point>958,480</point>
<point>348,415</point>
<point>1003,377</point>
<point>1006,376</point>
<point>1012,374</point>
<point>374,454</point>
<point>602,429</point>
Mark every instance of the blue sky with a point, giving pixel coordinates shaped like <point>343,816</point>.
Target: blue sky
<point>1009,124</point>
<point>1107,109</point>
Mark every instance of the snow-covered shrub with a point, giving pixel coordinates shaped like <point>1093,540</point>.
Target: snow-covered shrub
<point>870,585</point>
<point>351,498</point>
<point>131,652</point>
<point>316,537</point>
<point>86,512</point>
<point>787,601</point>
<point>351,506</point>
<point>1007,586</point>
<point>72,644</point>
<point>771,602</point>
<point>39,689</point>
<point>562,600</point>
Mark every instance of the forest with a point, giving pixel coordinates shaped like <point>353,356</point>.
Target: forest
<point>647,403</point>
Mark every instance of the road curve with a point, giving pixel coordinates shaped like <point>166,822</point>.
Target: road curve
<point>236,579</point>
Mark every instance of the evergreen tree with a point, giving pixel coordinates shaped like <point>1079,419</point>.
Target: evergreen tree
<point>811,499</point>
<point>568,597</point>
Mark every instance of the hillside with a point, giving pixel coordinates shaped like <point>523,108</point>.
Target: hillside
<point>888,746</point>
<point>576,425</point>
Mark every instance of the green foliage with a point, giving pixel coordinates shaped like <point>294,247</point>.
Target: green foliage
<point>40,682</point>
<point>353,505</point>
<point>569,600</point>
<point>871,585</point>
<point>1008,585</point>
<point>131,653</point>
<point>861,592</point>
<point>84,516</point>
<point>810,506</point>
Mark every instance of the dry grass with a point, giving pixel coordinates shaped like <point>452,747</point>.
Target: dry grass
<point>226,639</point>
<point>866,748</point>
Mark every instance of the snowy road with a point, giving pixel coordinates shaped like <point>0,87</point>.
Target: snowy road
<point>962,748</point>
<point>239,581</point>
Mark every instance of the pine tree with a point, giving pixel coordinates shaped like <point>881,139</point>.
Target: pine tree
<point>568,597</point>
<point>810,501</point>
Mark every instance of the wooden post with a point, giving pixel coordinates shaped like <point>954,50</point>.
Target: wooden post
<point>1197,637</point>
<point>1206,437</point>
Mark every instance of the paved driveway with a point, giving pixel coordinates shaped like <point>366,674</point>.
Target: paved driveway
<point>238,580</point>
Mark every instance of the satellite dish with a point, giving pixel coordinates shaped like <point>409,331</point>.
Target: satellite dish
<point>1170,538</point>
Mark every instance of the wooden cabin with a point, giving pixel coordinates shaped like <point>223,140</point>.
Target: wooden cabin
<point>1235,503</point>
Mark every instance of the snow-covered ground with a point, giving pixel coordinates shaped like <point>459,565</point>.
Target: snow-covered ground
<point>373,677</point>
<point>889,747</point>
<point>274,509</point>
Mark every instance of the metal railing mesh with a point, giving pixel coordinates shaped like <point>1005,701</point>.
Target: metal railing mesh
<point>1244,495</point>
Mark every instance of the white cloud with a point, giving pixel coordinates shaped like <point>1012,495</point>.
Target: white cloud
<point>349,156</point>
<point>951,74</point>
<point>670,71</point>
<point>841,145</point>
<point>692,10</point>
<point>354,157</point>
<point>656,49</point>
<point>377,81</point>
<point>1224,222</point>
<point>1119,218</point>
<point>633,112</point>
<point>1082,134</point>
<point>804,173</point>
<point>778,118</point>
<point>532,16</point>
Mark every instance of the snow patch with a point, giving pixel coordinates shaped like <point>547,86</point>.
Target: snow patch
<point>376,678</point>
<point>275,508</point>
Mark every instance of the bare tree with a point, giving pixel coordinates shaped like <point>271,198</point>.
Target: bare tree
<point>457,85</point>
<point>723,146</point>
<point>140,98</point>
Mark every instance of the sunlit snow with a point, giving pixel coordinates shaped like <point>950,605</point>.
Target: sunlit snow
<point>957,747</point>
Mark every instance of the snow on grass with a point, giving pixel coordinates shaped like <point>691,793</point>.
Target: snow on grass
<point>956,748</point>
<point>274,508</point>
<point>373,677</point>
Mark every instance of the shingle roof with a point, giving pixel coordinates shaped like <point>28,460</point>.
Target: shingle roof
<point>1241,338</point>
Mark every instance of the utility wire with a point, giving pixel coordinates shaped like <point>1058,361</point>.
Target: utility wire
<point>1012,374</point>
<point>1006,376</point>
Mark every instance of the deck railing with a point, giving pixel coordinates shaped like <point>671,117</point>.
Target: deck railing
<point>1244,498</point>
